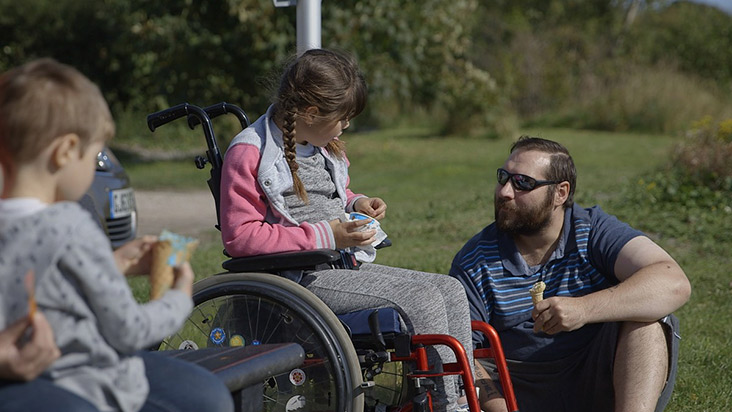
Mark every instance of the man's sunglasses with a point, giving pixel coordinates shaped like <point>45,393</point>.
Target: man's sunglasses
<point>522,182</point>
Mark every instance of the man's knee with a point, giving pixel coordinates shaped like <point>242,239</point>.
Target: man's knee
<point>651,330</point>
<point>649,338</point>
<point>649,334</point>
<point>646,345</point>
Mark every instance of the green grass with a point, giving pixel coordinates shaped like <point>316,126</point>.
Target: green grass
<point>440,193</point>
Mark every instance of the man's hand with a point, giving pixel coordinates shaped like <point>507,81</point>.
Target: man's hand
<point>558,314</point>
<point>135,257</point>
<point>371,206</point>
<point>26,362</point>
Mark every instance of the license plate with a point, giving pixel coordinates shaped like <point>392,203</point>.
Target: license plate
<point>121,203</point>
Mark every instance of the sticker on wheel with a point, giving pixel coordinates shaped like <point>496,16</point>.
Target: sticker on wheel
<point>236,340</point>
<point>218,336</point>
<point>295,403</point>
<point>188,345</point>
<point>297,377</point>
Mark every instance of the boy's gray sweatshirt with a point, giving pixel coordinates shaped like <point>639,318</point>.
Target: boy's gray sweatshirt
<point>97,323</point>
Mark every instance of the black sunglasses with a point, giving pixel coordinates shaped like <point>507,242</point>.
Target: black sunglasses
<point>522,182</point>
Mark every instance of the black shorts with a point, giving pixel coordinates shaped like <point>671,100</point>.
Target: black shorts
<point>581,382</point>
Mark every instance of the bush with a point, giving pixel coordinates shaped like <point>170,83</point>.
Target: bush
<point>417,57</point>
<point>621,96</point>
<point>704,155</point>
<point>691,198</point>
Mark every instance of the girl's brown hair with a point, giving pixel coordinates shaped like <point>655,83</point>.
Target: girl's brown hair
<point>326,79</point>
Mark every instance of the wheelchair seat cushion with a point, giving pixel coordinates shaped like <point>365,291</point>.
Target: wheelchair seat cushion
<point>358,321</point>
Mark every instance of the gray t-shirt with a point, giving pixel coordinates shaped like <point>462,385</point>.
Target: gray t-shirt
<point>96,321</point>
<point>323,201</point>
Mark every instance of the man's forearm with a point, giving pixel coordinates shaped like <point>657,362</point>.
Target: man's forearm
<point>648,295</point>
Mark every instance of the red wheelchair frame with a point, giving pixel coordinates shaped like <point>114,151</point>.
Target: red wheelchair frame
<point>462,366</point>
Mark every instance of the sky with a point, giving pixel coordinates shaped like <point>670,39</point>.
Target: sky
<point>725,5</point>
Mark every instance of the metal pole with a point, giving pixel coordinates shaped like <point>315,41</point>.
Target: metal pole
<point>308,25</point>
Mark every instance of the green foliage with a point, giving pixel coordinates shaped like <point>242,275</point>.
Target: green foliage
<point>83,33</point>
<point>468,67</point>
<point>416,55</point>
<point>147,57</point>
<point>691,196</point>
<point>684,210</point>
<point>206,51</point>
<point>624,96</point>
<point>538,50</point>
<point>703,158</point>
<point>695,37</point>
<point>608,65</point>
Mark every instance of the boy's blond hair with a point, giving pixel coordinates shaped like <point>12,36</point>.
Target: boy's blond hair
<point>44,99</point>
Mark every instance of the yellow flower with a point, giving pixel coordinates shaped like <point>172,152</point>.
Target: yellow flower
<point>724,133</point>
<point>702,123</point>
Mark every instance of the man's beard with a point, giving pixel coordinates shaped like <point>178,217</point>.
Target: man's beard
<point>527,221</point>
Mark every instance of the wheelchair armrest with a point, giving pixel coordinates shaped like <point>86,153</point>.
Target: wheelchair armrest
<point>281,261</point>
<point>384,243</point>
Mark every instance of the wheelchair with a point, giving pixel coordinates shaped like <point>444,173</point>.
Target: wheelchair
<point>354,362</point>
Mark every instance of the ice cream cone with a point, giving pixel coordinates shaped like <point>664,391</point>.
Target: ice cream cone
<point>537,292</point>
<point>161,273</point>
<point>30,288</point>
<point>171,250</point>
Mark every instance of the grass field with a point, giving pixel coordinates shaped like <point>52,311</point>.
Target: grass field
<point>440,193</point>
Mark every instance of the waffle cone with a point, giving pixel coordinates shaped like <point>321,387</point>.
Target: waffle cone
<point>161,273</point>
<point>537,292</point>
<point>171,250</point>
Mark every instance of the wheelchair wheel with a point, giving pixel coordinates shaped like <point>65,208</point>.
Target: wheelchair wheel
<point>256,308</point>
<point>391,387</point>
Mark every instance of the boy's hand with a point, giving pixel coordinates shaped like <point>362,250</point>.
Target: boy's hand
<point>135,257</point>
<point>371,206</point>
<point>350,233</point>
<point>27,362</point>
<point>184,278</point>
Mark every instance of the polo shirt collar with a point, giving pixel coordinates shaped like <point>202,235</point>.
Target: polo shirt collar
<point>515,264</point>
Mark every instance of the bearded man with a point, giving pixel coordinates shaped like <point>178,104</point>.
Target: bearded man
<point>603,338</point>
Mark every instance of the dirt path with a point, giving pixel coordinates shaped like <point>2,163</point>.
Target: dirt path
<point>186,213</point>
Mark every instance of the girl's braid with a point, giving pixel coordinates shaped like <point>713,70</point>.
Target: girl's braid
<point>288,136</point>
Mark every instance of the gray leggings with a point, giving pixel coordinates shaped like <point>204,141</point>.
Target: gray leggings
<point>428,302</point>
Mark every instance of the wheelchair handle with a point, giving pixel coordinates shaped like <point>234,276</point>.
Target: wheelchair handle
<point>166,116</point>
<point>218,109</point>
<point>157,119</point>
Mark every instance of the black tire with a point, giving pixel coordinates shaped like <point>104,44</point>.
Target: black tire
<point>259,308</point>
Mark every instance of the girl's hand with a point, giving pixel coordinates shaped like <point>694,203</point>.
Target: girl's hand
<point>349,233</point>
<point>135,257</point>
<point>371,206</point>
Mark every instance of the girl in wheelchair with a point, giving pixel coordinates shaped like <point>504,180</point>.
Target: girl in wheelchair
<point>285,187</point>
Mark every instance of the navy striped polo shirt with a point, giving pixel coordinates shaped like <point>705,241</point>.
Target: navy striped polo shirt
<point>497,280</point>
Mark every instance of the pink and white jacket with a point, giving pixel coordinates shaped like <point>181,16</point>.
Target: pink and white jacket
<point>255,175</point>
